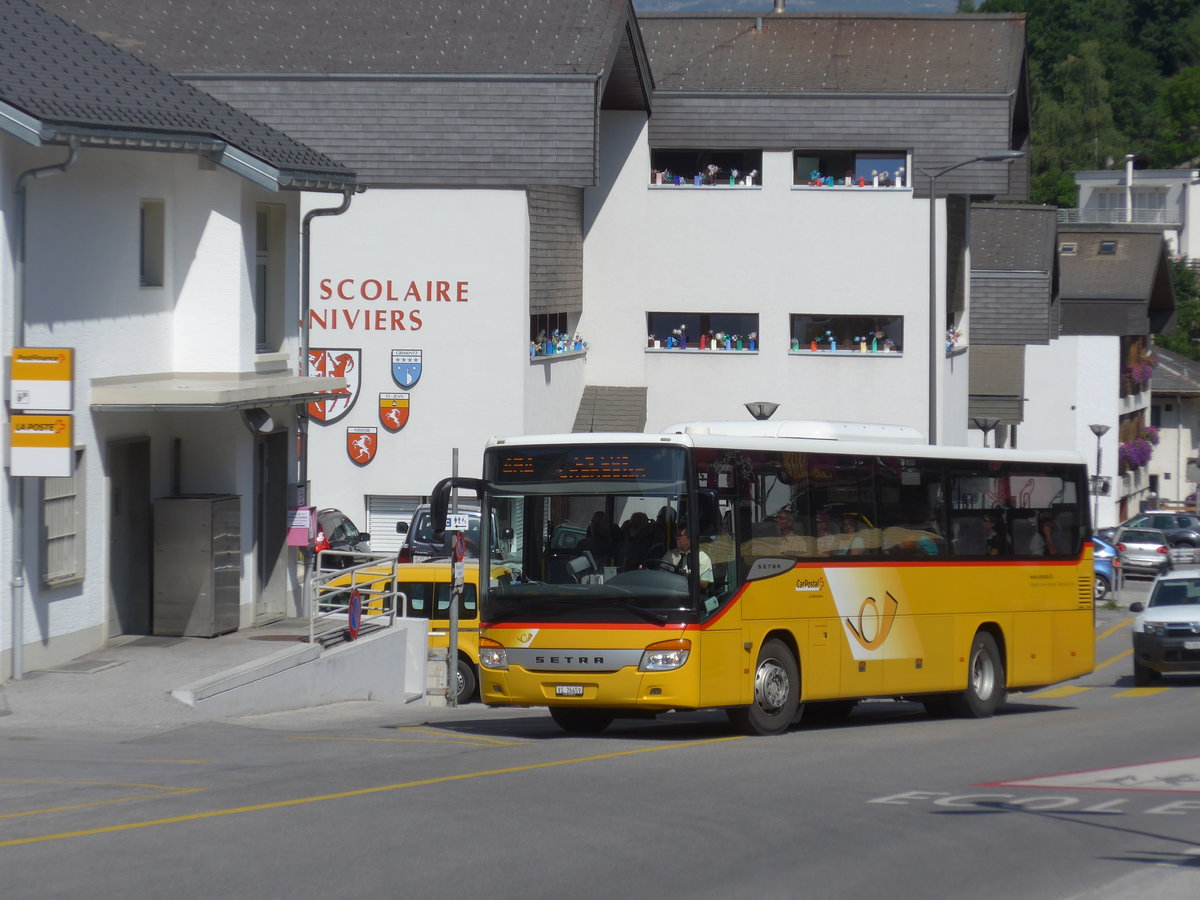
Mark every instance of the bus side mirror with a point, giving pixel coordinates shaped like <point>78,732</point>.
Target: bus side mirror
<point>439,502</point>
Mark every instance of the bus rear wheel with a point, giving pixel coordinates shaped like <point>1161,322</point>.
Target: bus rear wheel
<point>986,689</point>
<point>776,692</point>
<point>578,720</point>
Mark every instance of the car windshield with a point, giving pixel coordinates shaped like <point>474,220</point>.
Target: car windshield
<point>1176,592</point>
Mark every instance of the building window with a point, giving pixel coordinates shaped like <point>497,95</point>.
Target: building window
<point>268,276</point>
<point>544,326</point>
<point>702,331</point>
<point>1107,248</point>
<point>62,527</point>
<point>847,334</point>
<point>1068,248</point>
<point>859,168</point>
<point>706,167</point>
<point>152,243</point>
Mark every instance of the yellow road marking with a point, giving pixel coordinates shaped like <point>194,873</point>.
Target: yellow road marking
<point>1115,629</point>
<point>1141,692</point>
<point>361,792</point>
<point>398,740</point>
<point>162,791</point>
<point>125,784</point>
<point>436,733</point>
<point>1117,658</point>
<point>1060,692</point>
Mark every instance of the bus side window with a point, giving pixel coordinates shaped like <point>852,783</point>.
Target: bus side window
<point>970,536</point>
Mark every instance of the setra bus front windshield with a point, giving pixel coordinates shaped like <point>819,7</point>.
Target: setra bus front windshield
<point>593,529</point>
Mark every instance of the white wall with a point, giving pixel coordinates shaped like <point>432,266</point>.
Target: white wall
<point>1070,384</point>
<point>1179,432</point>
<point>775,251</point>
<point>82,291</point>
<point>474,352</point>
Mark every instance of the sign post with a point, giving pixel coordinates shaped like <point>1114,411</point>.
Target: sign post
<point>456,590</point>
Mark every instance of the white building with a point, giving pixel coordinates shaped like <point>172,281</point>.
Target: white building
<point>518,184</point>
<point>1139,196</point>
<point>1063,317</point>
<point>153,232</point>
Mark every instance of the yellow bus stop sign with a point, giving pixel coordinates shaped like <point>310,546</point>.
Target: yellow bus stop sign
<point>42,445</point>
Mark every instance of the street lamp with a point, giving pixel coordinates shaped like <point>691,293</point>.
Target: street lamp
<point>1099,431</point>
<point>986,425</point>
<point>761,409</point>
<point>934,335</point>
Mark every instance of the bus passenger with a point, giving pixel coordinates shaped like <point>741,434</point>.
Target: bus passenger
<point>789,543</point>
<point>636,537</point>
<point>994,538</point>
<point>850,542</point>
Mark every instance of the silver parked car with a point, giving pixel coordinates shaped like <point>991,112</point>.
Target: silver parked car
<point>1143,550</point>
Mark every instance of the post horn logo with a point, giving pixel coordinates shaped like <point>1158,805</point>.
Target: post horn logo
<point>873,625</point>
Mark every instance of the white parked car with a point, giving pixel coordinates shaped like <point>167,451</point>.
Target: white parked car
<point>1166,633</point>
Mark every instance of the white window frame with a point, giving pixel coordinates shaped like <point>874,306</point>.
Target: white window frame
<point>62,532</point>
<point>152,243</point>
<point>269,237</point>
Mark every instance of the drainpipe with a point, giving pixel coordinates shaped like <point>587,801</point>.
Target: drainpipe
<point>16,483</point>
<point>1129,187</point>
<point>305,302</point>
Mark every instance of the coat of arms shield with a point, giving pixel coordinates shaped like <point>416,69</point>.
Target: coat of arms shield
<point>335,363</point>
<point>361,444</point>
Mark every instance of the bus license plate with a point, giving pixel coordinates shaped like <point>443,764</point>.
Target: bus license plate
<point>568,690</point>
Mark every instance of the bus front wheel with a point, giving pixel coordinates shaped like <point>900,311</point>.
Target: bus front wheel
<point>578,720</point>
<point>986,688</point>
<point>776,692</point>
<point>465,681</point>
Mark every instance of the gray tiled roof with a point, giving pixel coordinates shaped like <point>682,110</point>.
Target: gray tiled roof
<point>439,37</point>
<point>1013,238</point>
<point>70,82</point>
<point>835,53</point>
<point>1175,374</point>
<point>1129,273</point>
<point>605,408</point>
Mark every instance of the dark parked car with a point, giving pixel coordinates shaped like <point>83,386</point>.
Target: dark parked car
<point>335,531</point>
<point>419,544</point>
<point>1181,529</point>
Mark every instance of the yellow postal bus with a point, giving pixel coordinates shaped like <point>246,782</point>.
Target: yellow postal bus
<point>770,568</point>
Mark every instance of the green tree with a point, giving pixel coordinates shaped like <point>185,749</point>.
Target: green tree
<point>1179,128</point>
<point>1185,338</point>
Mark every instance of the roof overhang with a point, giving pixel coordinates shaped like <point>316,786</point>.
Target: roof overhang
<point>207,391</point>
<point>39,133</point>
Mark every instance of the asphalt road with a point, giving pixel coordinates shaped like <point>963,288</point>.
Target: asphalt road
<point>1087,789</point>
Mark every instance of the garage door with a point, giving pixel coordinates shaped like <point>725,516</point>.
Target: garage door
<point>382,515</point>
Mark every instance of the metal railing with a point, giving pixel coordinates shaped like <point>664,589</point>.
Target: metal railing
<point>1087,216</point>
<point>331,593</point>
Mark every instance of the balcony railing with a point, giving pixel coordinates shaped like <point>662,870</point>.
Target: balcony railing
<point>1117,217</point>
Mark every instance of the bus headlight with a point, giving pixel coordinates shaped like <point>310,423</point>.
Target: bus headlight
<point>665,655</point>
<point>492,655</point>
